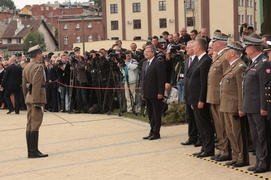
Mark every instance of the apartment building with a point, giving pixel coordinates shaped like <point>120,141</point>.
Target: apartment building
<point>141,19</point>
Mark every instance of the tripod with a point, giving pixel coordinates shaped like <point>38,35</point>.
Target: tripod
<point>116,83</point>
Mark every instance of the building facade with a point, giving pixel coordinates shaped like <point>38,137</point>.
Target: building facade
<point>141,19</point>
<point>79,30</point>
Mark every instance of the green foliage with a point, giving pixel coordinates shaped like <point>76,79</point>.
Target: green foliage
<point>175,115</point>
<point>32,39</point>
<point>8,3</point>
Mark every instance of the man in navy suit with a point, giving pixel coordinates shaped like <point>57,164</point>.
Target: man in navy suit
<point>11,83</point>
<point>196,97</point>
<point>189,66</point>
<point>153,88</point>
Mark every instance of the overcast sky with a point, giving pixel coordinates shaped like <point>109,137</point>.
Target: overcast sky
<point>21,3</point>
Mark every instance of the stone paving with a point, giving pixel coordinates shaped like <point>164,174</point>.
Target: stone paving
<point>103,147</point>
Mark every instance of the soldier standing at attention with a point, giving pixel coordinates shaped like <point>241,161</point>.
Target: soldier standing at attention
<point>254,100</point>
<point>231,104</point>
<point>217,69</point>
<point>34,91</point>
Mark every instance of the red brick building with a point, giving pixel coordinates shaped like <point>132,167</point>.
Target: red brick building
<point>78,30</point>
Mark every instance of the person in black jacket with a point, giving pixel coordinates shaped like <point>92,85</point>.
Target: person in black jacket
<point>2,72</point>
<point>196,97</point>
<point>153,88</point>
<point>11,83</point>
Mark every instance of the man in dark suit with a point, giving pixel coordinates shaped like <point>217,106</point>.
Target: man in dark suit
<point>189,65</point>
<point>153,88</point>
<point>11,84</point>
<point>254,100</point>
<point>196,96</point>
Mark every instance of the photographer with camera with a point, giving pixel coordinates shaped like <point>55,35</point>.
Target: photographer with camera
<point>63,73</point>
<point>80,77</point>
<point>130,76</point>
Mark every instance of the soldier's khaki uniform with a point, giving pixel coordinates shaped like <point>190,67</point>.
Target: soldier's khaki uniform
<point>34,74</point>
<point>231,104</point>
<point>217,69</point>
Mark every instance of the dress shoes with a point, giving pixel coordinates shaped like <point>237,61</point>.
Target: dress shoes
<point>240,164</point>
<point>9,112</point>
<point>205,154</point>
<point>231,163</point>
<point>252,168</point>
<point>17,112</point>
<point>214,157</point>
<point>154,137</point>
<point>188,142</point>
<point>197,153</point>
<point>222,158</point>
<point>147,137</point>
<point>198,144</point>
<point>259,170</point>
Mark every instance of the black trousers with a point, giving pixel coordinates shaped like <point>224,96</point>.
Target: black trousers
<point>154,108</point>
<point>16,93</point>
<point>205,127</point>
<point>193,134</point>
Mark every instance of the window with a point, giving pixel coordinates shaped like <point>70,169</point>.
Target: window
<point>137,24</point>
<point>189,4</point>
<point>89,25</point>
<point>90,38</point>
<point>137,38</point>
<point>250,3</point>
<point>9,40</point>
<point>162,5</point>
<point>190,21</point>
<point>66,43</point>
<point>136,7</point>
<point>114,38</point>
<point>77,39</point>
<point>65,26</point>
<point>163,22</point>
<point>41,8</point>
<point>113,8</point>
<point>250,20</point>
<point>47,8</point>
<point>19,41</point>
<point>114,25</point>
<point>239,20</point>
<point>77,26</point>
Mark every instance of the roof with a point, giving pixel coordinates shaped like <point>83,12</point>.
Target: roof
<point>29,25</point>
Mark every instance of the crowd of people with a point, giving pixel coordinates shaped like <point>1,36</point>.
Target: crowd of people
<point>225,85</point>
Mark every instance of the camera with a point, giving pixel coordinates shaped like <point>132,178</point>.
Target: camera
<point>175,48</point>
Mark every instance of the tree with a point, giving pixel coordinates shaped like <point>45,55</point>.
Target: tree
<point>32,39</point>
<point>266,27</point>
<point>8,3</point>
<point>98,4</point>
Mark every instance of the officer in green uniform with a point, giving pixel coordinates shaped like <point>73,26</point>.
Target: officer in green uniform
<point>33,85</point>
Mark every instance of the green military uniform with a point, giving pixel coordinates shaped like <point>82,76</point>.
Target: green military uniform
<point>33,85</point>
<point>217,69</point>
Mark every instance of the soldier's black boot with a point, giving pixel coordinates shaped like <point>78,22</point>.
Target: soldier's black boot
<point>27,141</point>
<point>33,145</point>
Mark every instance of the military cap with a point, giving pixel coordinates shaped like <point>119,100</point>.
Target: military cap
<point>76,49</point>
<point>220,37</point>
<point>234,45</point>
<point>34,50</point>
<point>269,46</point>
<point>251,41</point>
